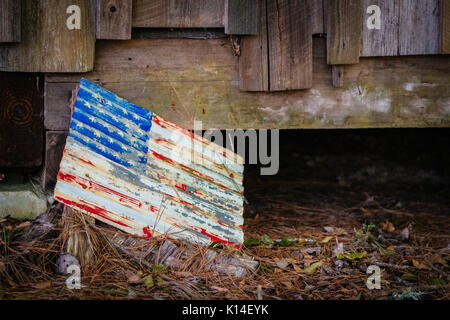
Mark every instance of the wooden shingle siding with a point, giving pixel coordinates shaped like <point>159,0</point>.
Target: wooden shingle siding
<point>113,20</point>
<point>315,9</point>
<point>383,42</point>
<point>253,61</point>
<point>408,27</point>
<point>181,83</point>
<point>47,45</point>
<point>178,13</point>
<point>290,45</point>
<point>344,31</point>
<point>419,27</point>
<point>9,21</point>
<point>241,17</point>
<point>445,26</point>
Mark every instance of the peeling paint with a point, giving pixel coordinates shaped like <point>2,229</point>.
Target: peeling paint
<point>130,168</point>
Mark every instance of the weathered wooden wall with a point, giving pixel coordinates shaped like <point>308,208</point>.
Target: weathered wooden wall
<point>174,78</point>
<point>46,44</point>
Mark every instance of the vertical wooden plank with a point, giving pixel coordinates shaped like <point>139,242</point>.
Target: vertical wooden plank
<point>178,13</point>
<point>21,122</point>
<point>290,45</point>
<point>419,27</point>
<point>344,31</point>
<point>10,21</point>
<point>241,17</point>
<point>337,76</point>
<point>114,19</point>
<point>253,61</point>
<point>445,26</point>
<point>47,44</point>
<point>383,41</point>
<point>54,147</point>
<point>57,111</point>
<point>315,7</point>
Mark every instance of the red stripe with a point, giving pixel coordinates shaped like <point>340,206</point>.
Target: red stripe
<point>91,209</point>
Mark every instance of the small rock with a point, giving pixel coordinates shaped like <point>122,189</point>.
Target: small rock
<point>133,278</point>
<point>326,269</point>
<point>64,261</point>
<point>339,264</point>
<point>313,251</point>
<point>404,235</point>
<point>282,264</point>
<point>297,254</point>
<point>329,229</point>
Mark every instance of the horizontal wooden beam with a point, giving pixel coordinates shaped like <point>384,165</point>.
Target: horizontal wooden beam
<point>175,79</point>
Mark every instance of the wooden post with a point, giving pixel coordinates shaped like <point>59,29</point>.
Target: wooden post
<point>337,75</point>
<point>54,147</point>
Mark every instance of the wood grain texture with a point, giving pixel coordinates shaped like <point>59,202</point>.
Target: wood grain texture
<point>445,26</point>
<point>57,105</point>
<point>47,45</point>
<point>419,27</point>
<point>344,31</point>
<point>178,13</point>
<point>114,19</point>
<point>54,147</point>
<point>241,17</point>
<point>174,78</point>
<point>10,20</point>
<point>21,122</point>
<point>253,61</point>
<point>382,42</point>
<point>337,76</point>
<point>290,45</point>
<point>315,8</point>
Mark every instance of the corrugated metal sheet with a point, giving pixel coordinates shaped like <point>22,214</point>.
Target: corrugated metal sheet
<point>128,167</point>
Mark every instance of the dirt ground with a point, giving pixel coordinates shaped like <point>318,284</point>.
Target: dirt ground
<point>343,201</point>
